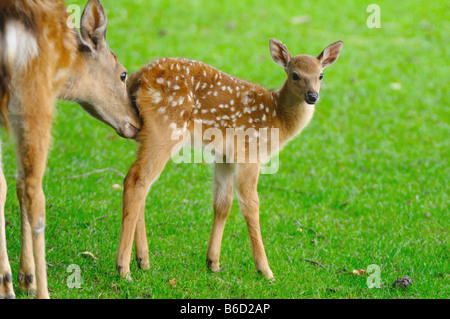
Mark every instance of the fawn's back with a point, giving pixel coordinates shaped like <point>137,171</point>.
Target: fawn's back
<point>176,95</point>
<point>182,94</point>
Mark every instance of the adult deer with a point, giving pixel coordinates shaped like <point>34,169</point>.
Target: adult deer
<point>180,97</point>
<point>42,58</point>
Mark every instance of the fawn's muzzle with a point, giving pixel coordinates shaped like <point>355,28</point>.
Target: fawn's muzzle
<point>311,98</point>
<point>129,131</point>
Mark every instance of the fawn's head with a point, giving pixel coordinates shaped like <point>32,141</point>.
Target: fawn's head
<point>304,71</point>
<point>102,79</point>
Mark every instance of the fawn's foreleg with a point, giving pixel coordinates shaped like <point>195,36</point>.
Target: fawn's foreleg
<point>247,193</point>
<point>152,157</point>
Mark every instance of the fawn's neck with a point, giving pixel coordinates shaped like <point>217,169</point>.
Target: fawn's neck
<point>293,113</point>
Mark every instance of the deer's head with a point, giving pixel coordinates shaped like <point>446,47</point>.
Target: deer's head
<point>101,83</point>
<point>305,72</point>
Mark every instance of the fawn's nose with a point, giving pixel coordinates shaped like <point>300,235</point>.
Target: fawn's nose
<point>312,97</point>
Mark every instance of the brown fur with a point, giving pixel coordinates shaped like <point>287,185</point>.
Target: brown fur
<point>173,94</point>
<point>50,61</point>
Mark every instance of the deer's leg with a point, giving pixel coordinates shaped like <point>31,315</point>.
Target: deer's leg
<point>32,130</point>
<point>152,157</point>
<point>141,243</point>
<point>6,287</point>
<point>26,275</point>
<point>222,201</point>
<point>247,193</point>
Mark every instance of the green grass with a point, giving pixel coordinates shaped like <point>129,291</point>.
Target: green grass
<point>370,174</point>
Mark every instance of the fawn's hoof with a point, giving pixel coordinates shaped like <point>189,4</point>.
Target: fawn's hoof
<point>27,282</point>
<point>213,266</point>
<point>125,274</point>
<point>142,263</point>
<point>267,273</point>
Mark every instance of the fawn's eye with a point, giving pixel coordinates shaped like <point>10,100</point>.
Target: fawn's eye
<point>295,76</point>
<point>321,76</point>
<point>123,77</point>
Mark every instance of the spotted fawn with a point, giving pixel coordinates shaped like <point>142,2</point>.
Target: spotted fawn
<point>176,95</point>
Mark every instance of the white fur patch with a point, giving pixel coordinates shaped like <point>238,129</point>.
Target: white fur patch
<point>19,45</point>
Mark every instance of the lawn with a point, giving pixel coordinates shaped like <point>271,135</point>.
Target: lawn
<point>367,182</point>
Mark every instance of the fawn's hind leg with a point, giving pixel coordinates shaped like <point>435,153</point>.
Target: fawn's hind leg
<point>141,243</point>
<point>152,157</point>
<point>247,193</point>
<point>222,201</point>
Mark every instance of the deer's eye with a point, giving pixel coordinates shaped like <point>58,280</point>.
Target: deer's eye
<point>123,77</point>
<point>295,76</point>
<point>321,76</point>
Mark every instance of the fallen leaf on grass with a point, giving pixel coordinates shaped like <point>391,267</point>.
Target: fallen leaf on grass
<point>359,272</point>
<point>231,25</point>
<point>301,19</point>
<point>89,254</point>
<point>116,187</point>
<point>173,282</point>
<point>162,32</point>
<point>6,223</point>
<point>396,86</point>
<point>403,282</point>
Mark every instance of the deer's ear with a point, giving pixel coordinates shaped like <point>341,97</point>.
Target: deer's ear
<point>280,53</point>
<point>330,54</point>
<point>94,24</point>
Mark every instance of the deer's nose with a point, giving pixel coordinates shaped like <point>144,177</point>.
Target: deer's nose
<point>312,97</point>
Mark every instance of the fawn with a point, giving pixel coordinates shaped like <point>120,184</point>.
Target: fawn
<point>176,95</point>
<point>42,58</point>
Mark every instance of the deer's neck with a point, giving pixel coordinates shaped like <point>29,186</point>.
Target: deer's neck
<point>72,88</point>
<point>293,112</point>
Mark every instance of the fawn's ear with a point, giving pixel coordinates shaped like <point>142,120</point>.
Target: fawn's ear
<point>93,25</point>
<point>330,54</point>
<point>280,53</point>
<point>133,85</point>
